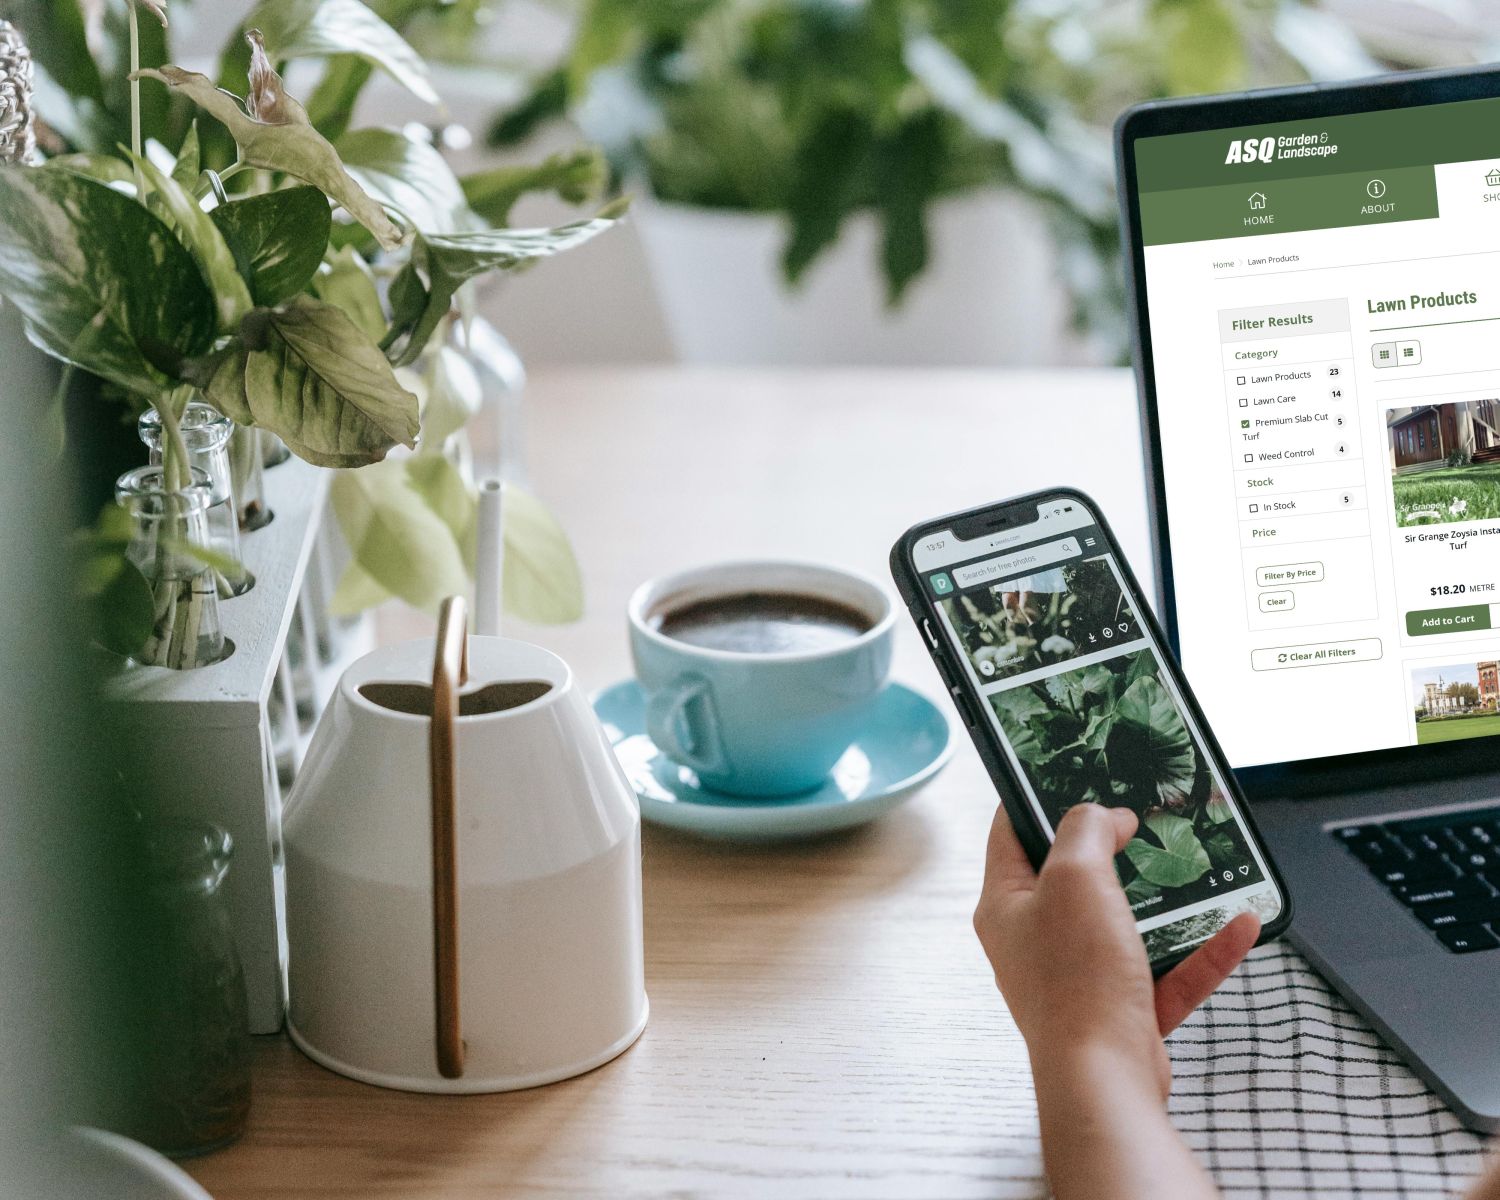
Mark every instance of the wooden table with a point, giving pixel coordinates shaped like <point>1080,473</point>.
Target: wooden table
<point>823,1024</point>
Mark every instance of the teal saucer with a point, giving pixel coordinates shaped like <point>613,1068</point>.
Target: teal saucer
<point>906,743</point>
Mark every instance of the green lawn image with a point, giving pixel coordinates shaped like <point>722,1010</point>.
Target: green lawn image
<point>1452,729</point>
<point>1479,485</point>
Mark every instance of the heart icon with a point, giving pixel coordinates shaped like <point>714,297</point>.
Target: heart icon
<point>1245,870</point>
<point>1124,626</point>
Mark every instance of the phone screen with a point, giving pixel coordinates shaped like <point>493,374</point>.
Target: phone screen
<point>1086,710</point>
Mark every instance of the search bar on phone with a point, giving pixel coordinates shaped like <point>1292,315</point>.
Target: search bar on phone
<point>1010,565</point>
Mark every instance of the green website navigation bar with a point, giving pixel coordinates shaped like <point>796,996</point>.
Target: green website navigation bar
<point>1373,197</point>
<point>1426,135</point>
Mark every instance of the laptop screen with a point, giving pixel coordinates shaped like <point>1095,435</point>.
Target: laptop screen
<point>1322,300</point>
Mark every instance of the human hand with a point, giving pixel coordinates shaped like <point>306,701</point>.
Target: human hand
<point>1068,958</point>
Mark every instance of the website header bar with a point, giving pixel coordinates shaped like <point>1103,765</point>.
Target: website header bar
<point>1424,136</point>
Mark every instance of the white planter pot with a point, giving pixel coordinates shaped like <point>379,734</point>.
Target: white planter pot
<point>988,297</point>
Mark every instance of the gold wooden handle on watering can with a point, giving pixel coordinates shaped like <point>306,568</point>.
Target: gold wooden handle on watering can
<point>450,671</point>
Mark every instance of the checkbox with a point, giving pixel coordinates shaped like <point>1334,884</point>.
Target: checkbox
<point>1240,379</point>
<point>1244,403</point>
<point>1244,424</point>
<point>1255,508</point>
<point>1249,458</point>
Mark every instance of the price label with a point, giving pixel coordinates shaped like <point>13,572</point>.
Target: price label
<point>1448,589</point>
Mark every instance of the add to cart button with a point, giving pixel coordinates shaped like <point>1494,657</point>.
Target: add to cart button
<point>1319,654</point>
<point>1466,618</point>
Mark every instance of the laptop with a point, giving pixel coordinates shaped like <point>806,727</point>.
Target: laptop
<point>1315,278</point>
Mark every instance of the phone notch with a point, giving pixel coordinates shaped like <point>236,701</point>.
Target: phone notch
<point>990,521</point>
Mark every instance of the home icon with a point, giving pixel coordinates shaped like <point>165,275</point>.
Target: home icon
<point>1257,200</point>
<point>1493,178</point>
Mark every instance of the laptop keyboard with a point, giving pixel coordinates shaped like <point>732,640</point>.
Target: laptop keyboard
<point>1445,868</point>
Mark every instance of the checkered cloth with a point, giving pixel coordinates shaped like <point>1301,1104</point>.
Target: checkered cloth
<point>1284,1091</point>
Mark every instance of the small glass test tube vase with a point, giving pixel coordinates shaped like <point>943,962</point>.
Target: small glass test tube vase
<point>205,434</point>
<point>166,524</point>
<point>247,470</point>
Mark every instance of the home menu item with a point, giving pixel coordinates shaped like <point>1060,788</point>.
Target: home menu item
<point>1322,299</point>
<point>1041,624</point>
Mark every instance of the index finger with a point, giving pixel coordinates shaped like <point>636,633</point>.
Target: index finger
<point>1006,867</point>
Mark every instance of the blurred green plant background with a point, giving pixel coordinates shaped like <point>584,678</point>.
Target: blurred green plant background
<point>821,109</point>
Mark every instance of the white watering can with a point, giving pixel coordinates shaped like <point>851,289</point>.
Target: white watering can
<point>463,869</point>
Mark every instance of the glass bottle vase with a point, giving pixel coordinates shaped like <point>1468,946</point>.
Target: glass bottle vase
<point>167,525</point>
<point>197,1093</point>
<point>206,434</point>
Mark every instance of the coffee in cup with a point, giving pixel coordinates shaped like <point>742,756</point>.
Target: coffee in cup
<point>764,623</point>
<point>759,675</point>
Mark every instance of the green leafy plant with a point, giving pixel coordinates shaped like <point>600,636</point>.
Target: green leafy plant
<point>247,267</point>
<point>816,110</point>
<point>1111,733</point>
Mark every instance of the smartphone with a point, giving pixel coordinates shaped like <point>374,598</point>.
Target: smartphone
<point>1059,670</point>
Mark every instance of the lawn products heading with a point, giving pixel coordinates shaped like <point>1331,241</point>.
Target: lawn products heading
<point>1440,300</point>
<point>1269,149</point>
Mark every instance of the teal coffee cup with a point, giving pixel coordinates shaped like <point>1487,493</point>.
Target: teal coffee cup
<point>759,675</point>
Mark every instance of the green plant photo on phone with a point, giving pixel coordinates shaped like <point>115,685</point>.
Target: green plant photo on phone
<point>1071,698</point>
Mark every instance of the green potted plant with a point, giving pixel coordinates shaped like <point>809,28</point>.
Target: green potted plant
<point>895,180</point>
<point>185,236</point>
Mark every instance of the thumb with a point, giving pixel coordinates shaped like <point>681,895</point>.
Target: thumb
<point>1090,835</point>
<point>1197,977</point>
<point>1126,823</point>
